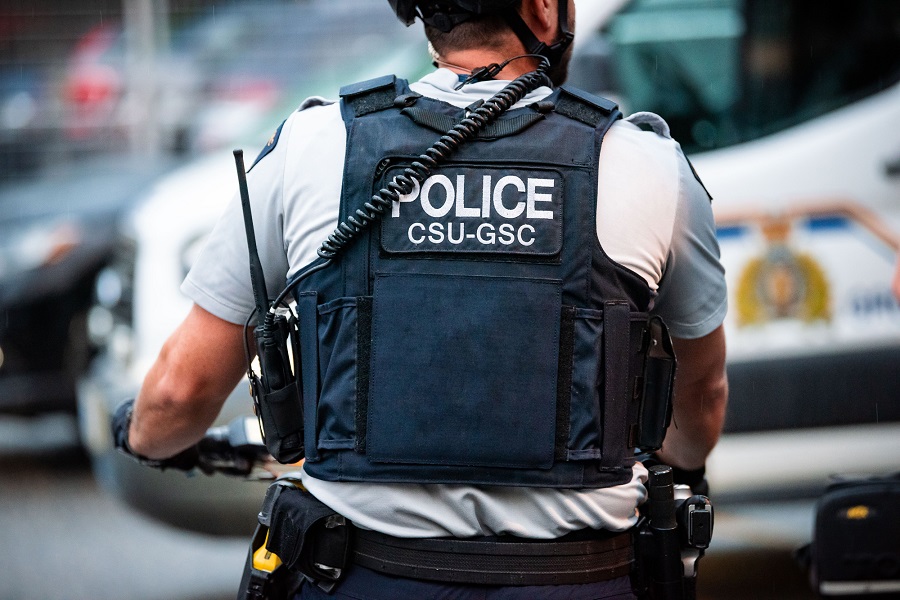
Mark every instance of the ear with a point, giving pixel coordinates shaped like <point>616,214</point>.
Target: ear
<point>541,18</point>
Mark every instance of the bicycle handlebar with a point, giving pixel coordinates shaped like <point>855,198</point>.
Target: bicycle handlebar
<point>238,450</point>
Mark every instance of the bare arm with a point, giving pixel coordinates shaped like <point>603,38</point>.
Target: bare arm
<point>701,393</point>
<point>184,390</point>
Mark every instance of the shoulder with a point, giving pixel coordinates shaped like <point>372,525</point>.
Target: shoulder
<point>316,119</point>
<point>316,129</point>
<point>631,146</point>
<point>314,115</point>
<point>640,153</point>
<point>640,193</point>
<point>639,165</point>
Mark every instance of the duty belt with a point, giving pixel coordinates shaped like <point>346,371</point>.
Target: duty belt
<point>498,560</point>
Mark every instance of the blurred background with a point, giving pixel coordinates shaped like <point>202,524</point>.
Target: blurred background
<point>117,118</point>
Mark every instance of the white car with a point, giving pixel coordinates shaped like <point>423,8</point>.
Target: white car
<point>794,141</point>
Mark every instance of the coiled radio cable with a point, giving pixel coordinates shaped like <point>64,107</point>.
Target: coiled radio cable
<point>419,170</point>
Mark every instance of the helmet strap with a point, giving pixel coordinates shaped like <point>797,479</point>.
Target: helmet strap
<point>553,52</point>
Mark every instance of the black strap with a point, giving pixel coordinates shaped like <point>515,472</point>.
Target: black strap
<point>587,108</point>
<point>307,323</point>
<point>532,44</point>
<point>363,368</point>
<point>370,96</point>
<point>616,331</point>
<point>492,562</point>
<point>564,381</point>
<point>523,32</point>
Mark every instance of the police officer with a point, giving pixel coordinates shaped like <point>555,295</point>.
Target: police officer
<point>480,347</point>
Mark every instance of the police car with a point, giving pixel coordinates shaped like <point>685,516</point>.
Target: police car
<point>791,136</point>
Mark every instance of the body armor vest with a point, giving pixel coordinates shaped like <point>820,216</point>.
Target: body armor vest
<point>477,333</point>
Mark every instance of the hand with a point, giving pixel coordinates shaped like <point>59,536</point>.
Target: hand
<point>693,478</point>
<point>186,460</point>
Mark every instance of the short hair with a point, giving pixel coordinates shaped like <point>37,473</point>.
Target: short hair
<point>477,32</point>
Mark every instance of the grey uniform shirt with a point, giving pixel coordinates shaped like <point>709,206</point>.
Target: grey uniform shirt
<point>653,217</point>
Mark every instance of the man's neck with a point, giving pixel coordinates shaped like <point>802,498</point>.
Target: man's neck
<point>466,61</point>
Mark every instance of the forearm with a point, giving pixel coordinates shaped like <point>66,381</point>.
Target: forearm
<point>701,396</point>
<point>695,426</point>
<point>168,418</point>
<point>185,388</point>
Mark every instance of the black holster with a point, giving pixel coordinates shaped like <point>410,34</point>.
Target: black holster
<point>670,538</point>
<point>311,541</point>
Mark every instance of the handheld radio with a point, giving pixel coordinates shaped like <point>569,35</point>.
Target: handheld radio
<point>276,395</point>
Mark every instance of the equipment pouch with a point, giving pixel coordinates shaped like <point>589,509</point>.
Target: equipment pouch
<point>308,536</point>
<point>655,412</point>
<point>279,409</point>
<point>280,405</point>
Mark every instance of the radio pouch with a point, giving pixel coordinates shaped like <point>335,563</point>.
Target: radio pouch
<point>655,387</point>
<point>280,410</point>
<point>282,421</point>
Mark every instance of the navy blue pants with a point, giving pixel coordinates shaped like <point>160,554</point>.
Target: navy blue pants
<point>365,584</point>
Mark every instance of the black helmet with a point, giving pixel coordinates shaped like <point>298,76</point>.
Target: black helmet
<point>447,14</point>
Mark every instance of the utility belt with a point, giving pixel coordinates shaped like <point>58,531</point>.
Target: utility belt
<point>501,560</point>
<point>300,538</point>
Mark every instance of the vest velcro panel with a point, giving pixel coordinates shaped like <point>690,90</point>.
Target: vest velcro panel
<point>446,391</point>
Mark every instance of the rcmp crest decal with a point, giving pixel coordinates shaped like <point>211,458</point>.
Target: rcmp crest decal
<point>782,283</point>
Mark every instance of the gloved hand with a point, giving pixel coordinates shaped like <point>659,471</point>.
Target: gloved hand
<point>693,478</point>
<point>186,460</point>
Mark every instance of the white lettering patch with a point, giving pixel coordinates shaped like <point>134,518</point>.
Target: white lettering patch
<point>478,210</point>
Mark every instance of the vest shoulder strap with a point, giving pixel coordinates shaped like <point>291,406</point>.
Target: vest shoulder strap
<point>370,96</point>
<point>586,107</point>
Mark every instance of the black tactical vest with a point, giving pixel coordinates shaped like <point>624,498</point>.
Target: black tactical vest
<point>477,333</point>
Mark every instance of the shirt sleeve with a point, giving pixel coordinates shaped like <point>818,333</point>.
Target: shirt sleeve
<point>219,280</point>
<point>692,296</point>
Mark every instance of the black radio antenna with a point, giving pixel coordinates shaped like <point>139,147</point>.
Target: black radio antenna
<point>257,279</point>
<point>276,386</point>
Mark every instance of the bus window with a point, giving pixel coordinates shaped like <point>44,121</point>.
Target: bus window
<point>723,72</point>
